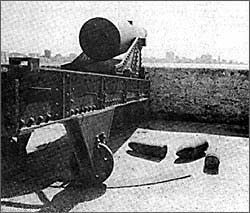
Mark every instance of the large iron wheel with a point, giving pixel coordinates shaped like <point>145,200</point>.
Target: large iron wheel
<point>103,163</point>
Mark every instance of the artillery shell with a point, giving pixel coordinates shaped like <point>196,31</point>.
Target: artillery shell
<point>151,150</point>
<point>188,152</point>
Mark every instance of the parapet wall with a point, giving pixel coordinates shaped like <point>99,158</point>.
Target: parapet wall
<point>205,95</point>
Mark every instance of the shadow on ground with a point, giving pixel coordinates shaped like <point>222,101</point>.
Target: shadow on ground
<point>63,201</point>
<point>119,137</point>
<point>20,205</point>
<point>189,160</point>
<point>24,185</point>
<point>146,157</point>
<point>72,195</point>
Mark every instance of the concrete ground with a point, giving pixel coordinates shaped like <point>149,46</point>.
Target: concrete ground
<point>137,184</point>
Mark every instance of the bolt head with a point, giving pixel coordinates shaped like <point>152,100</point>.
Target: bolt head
<point>39,119</point>
<point>30,122</point>
<point>86,109</point>
<point>77,110</point>
<point>48,117</point>
<point>21,123</point>
<point>72,112</point>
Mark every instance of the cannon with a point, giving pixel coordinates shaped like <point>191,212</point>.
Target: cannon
<point>101,40</point>
<point>88,105</point>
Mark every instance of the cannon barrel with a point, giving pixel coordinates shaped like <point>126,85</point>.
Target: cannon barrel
<point>101,39</point>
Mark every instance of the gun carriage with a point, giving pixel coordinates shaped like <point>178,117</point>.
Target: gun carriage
<point>87,96</point>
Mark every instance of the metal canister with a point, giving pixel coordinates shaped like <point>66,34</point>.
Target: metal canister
<point>211,164</point>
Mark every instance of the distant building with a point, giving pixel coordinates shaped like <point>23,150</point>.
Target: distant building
<point>47,53</point>
<point>34,55</point>
<point>197,60</point>
<point>224,61</point>
<point>4,57</point>
<point>214,61</point>
<point>206,59</point>
<point>72,56</point>
<point>177,59</point>
<point>170,56</point>
<point>58,56</point>
<point>186,60</point>
<point>219,59</point>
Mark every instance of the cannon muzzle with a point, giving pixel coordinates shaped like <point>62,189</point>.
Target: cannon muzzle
<point>101,39</point>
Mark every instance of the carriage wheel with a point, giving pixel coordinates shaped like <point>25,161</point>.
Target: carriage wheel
<point>103,163</point>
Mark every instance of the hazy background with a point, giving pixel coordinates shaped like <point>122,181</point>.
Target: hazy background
<point>189,29</point>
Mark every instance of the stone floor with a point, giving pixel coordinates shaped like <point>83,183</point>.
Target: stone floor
<point>137,184</point>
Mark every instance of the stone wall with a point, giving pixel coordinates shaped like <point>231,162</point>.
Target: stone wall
<point>206,95</point>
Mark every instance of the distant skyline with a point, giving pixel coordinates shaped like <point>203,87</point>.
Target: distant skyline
<point>189,29</point>
<point>170,57</point>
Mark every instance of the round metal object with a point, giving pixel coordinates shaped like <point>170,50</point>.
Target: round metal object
<point>211,164</point>
<point>82,109</point>
<point>39,119</point>
<point>103,163</point>
<point>102,137</point>
<point>48,117</point>
<point>77,110</point>
<point>72,112</point>
<point>21,123</point>
<point>86,109</point>
<point>30,122</point>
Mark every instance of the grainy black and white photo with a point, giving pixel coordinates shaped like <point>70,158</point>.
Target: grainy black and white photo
<point>124,106</point>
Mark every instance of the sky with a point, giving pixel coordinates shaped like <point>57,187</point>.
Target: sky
<point>188,28</point>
